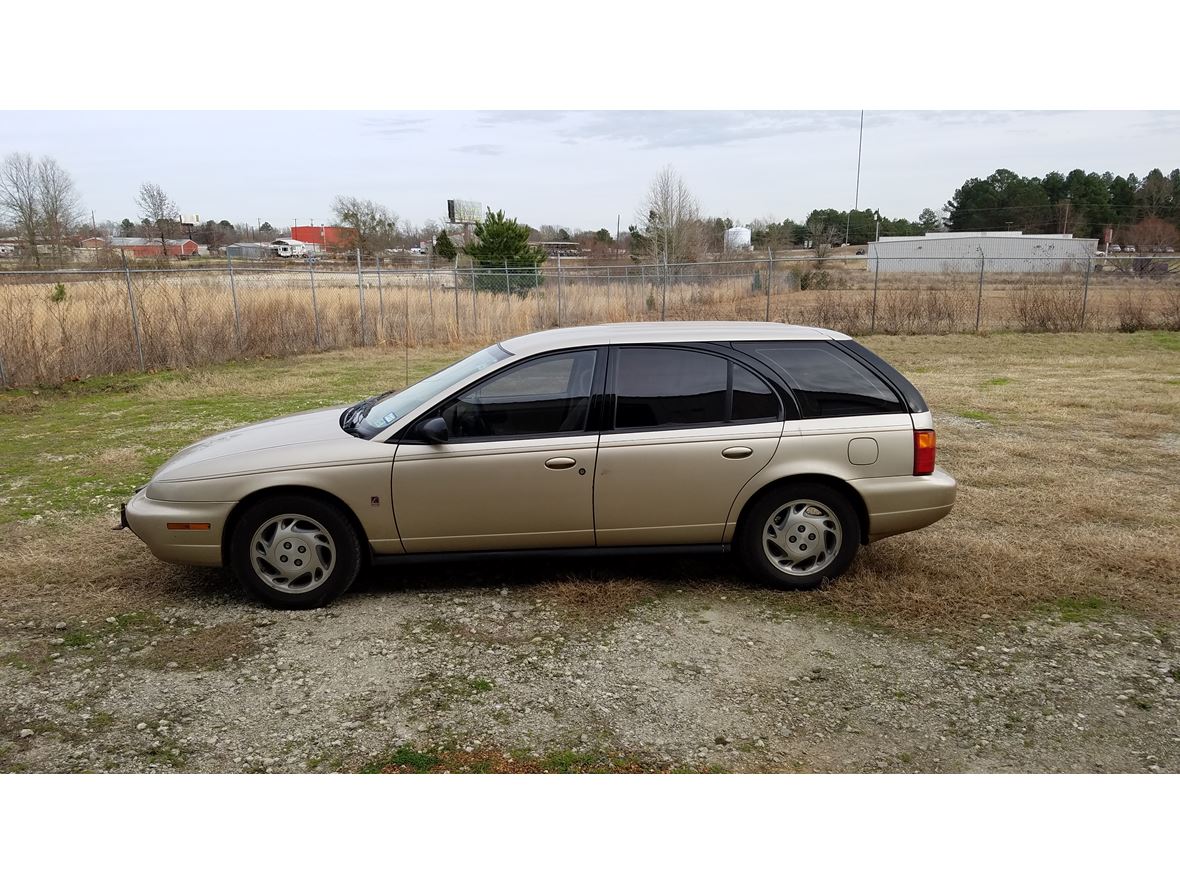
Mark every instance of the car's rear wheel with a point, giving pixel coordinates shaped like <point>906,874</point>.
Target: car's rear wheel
<point>295,551</point>
<point>798,536</point>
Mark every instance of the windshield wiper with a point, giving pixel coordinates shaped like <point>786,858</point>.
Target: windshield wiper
<point>354,414</point>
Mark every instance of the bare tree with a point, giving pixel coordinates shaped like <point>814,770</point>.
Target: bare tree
<point>375,226</point>
<point>59,203</point>
<point>1155,192</point>
<point>821,237</point>
<point>1153,235</point>
<point>671,218</point>
<point>19,199</point>
<point>158,211</point>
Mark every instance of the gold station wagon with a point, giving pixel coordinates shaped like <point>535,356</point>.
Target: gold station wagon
<point>792,446</point>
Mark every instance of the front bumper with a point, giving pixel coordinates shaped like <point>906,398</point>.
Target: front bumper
<point>899,504</point>
<point>149,520</point>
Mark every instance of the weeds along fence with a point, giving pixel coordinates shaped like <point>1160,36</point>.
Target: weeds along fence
<point>70,323</point>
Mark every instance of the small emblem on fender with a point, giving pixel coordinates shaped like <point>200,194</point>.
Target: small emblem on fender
<point>374,500</point>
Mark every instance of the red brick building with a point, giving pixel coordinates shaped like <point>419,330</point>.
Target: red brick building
<point>326,236</point>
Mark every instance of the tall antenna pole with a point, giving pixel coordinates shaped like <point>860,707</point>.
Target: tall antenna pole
<point>856,199</point>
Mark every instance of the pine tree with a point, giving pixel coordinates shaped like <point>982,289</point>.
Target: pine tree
<point>502,248</point>
<point>444,247</point>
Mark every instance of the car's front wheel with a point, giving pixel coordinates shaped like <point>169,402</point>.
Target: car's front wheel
<point>797,536</point>
<point>295,551</point>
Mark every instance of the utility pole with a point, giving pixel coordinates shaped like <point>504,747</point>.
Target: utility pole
<point>856,198</point>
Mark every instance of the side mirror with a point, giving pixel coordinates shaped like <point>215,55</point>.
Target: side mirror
<point>434,430</point>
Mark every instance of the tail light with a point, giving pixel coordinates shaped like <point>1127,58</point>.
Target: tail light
<point>924,449</point>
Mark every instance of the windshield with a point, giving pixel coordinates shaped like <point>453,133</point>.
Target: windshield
<point>369,417</point>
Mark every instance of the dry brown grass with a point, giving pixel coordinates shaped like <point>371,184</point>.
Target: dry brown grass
<point>187,318</point>
<point>87,571</point>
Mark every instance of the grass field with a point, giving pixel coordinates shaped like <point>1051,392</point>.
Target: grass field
<point>1065,447</point>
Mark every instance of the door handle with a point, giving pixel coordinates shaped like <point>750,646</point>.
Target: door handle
<point>560,463</point>
<point>735,452</point>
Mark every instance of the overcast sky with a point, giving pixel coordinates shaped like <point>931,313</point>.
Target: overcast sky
<point>578,169</point>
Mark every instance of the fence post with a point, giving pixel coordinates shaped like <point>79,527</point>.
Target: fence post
<point>233,292</point>
<point>134,316</point>
<point>406,329</point>
<point>380,303</point>
<point>769,279</point>
<point>360,290</point>
<point>873,315</point>
<point>315,312</point>
<point>507,279</point>
<point>1085,293</point>
<point>559,286</point>
<point>455,282</point>
<point>664,299</point>
<point>3,374</point>
<point>457,312</point>
<point>430,296</point>
<point>979,298</point>
<point>474,317</point>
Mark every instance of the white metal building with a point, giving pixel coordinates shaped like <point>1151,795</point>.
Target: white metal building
<point>1001,251</point>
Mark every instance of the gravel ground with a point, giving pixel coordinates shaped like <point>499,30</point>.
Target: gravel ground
<point>497,669</point>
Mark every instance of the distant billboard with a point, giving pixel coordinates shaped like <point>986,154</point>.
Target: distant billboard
<point>464,211</point>
<point>190,219</point>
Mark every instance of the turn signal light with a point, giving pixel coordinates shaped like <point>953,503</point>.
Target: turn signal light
<point>188,526</point>
<point>924,449</point>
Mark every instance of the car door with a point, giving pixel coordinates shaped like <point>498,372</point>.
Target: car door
<point>690,428</point>
<point>518,468</point>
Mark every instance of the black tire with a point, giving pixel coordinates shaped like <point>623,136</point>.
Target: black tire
<point>749,542</point>
<point>345,563</point>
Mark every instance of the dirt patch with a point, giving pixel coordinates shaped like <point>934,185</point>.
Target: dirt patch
<point>213,646</point>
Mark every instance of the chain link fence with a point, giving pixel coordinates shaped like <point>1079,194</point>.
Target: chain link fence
<point>72,323</point>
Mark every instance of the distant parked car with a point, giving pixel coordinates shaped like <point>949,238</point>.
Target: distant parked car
<point>1115,247</point>
<point>790,445</point>
<point>1128,248</point>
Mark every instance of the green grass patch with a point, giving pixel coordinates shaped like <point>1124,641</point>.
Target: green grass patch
<point>976,415</point>
<point>404,758</point>
<point>79,637</point>
<point>997,382</point>
<point>1166,340</point>
<point>1081,608</point>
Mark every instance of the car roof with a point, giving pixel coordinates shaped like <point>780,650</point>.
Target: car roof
<point>664,333</point>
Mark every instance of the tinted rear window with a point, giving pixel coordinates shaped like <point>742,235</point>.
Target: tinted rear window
<point>656,387</point>
<point>829,382</point>
<point>753,400</point>
<point>910,393</point>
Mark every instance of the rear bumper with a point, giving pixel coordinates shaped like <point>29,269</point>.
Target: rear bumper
<point>899,504</point>
<point>149,520</point>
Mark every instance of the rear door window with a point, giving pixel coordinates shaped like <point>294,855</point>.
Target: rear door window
<point>753,400</point>
<point>828,382</point>
<point>657,387</point>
